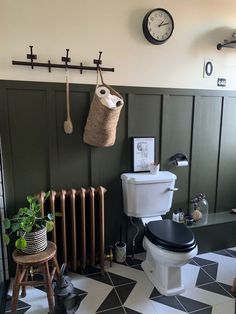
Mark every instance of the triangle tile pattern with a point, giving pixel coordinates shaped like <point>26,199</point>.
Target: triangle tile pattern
<point>171,301</point>
<point>191,305</point>
<point>23,306</point>
<point>216,288</point>
<point>203,278</point>
<point>211,270</point>
<point>111,301</point>
<point>231,252</point>
<point>127,290</point>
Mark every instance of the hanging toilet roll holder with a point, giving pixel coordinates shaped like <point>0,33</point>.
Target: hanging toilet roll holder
<point>177,158</point>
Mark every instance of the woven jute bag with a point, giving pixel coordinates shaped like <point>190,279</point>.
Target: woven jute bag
<point>101,124</point>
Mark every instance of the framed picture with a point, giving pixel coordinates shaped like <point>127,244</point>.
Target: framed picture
<point>143,149</point>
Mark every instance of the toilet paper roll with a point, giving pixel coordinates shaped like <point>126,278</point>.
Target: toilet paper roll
<point>183,163</point>
<point>102,91</point>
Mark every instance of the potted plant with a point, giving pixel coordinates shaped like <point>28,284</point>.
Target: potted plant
<point>30,226</point>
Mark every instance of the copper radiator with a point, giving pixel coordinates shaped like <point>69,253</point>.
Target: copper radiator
<point>79,232</point>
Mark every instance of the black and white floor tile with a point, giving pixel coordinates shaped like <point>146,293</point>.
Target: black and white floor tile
<point>126,289</point>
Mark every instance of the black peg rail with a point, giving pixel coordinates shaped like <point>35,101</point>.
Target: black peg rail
<point>66,64</point>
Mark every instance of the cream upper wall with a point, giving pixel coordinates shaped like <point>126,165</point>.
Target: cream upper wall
<point>115,27</point>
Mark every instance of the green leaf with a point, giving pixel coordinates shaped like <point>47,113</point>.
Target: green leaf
<point>49,226</point>
<point>21,243</point>
<point>7,223</point>
<point>6,239</point>
<point>58,214</point>
<point>30,212</point>
<point>50,216</point>
<point>29,199</point>
<point>15,226</point>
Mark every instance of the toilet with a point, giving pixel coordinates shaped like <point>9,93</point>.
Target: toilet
<point>168,244</point>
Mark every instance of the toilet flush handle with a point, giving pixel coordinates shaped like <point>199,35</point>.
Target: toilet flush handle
<point>173,189</point>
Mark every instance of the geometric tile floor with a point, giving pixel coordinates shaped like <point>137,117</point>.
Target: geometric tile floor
<point>125,289</point>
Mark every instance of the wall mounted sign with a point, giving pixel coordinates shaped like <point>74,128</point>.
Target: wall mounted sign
<point>143,153</point>
<point>208,68</point>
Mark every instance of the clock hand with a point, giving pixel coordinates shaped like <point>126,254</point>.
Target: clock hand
<point>163,24</point>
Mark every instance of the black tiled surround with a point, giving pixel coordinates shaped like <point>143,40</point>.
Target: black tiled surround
<point>125,289</point>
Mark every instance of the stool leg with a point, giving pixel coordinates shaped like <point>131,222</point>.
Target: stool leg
<point>48,287</point>
<point>16,287</point>
<point>54,260</point>
<point>23,291</point>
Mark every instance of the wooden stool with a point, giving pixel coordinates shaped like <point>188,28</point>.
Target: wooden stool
<point>23,264</point>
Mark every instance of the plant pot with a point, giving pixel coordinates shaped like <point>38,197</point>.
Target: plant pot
<point>36,241</point>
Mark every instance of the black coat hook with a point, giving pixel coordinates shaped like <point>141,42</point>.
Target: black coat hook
<point>98,61</point>
<point>66,59</point>
<point>31,56</point>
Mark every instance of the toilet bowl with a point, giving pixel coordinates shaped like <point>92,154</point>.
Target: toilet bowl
<point>172,246</point>
<point>169,245</point>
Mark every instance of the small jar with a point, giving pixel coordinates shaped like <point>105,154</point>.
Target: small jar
<point>199,209</point>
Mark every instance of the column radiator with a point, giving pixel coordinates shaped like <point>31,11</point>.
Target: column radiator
<point>79,232</point>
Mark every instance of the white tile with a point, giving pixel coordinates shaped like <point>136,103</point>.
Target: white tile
<point>224,308</point>
<point>97,292</point>
<point>205,296</point>
<point>226,267</point>
<point>142,305</point>
<point>164,309</point>
<point>189,275</point>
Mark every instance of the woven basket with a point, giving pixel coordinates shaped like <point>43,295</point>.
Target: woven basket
<point>100,128</point>
<point>36,241</point>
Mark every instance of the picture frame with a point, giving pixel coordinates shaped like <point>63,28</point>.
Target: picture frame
<point>143,151</point>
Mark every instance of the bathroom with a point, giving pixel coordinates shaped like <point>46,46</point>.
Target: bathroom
<point>165,93</point>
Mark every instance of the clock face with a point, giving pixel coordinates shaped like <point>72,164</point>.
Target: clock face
<point>158,26</point>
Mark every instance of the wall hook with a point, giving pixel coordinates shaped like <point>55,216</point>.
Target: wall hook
<point>49,66</point>
<point>32,57</point>
<point>98,61</point>
<point>66,59</point>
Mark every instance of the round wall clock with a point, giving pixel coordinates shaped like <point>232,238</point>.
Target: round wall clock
<point>158,26</point>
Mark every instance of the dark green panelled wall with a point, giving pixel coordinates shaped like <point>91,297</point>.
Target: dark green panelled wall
<point>38,155</point>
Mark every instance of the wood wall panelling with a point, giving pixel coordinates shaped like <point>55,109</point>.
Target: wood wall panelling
<point>144,118</point>
<point>28,133</point>
<point>176,138</point>
<point>73,156</point>
<point>226,194</point>
<point>205,147</point>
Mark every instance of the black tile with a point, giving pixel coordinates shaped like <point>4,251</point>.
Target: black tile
<point>102,278</point>
<point>20,304</point>
<point>211,270</point>
<point>192,262</point>
<point>192,305</point>
<point>222,252</point>
<point>202,261</point>
<point>124,291</point>
<point>207,310</point>
<point>111,301</point>
<point>171,301</point>
<point>155,293</point>
<point>138,267</point>
<point>203,278</point>
<point>216,288</point>
<point>231,252</point>
<point>130,311</point>
<point>133,262</point>
<point>89,270</point>
<point>228,289</point>
<point>120,280</point>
